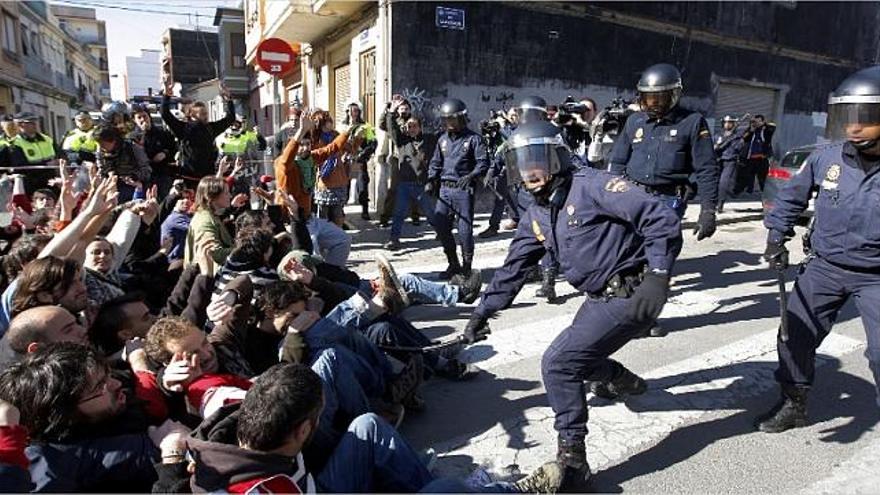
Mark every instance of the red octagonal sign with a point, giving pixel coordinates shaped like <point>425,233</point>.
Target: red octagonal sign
<point>275,56</point>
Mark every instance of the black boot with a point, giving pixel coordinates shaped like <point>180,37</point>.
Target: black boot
<point>627,383</point>
<point>467,260</point>
<point>576,471</point>
<point>454,268</point>
<point>790,412</point>
<point>548,286</point>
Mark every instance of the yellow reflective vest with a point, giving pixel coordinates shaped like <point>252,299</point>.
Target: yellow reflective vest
<point>78,140</point>
<point>234,145</point>
<point>37,151</point>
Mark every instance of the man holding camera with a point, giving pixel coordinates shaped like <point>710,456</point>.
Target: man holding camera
<point>662,146</point>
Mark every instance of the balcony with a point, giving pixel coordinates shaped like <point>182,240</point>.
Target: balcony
<point>306,21</point>
<point>36,69</point>
<point>65,83</point>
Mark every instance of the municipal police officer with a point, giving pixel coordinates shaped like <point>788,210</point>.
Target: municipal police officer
<point>615,242</point>
<point>845,242</point>
<point>728,148</point>
<point>459,160</point>
<point>662,146</point>
<point>38,153</point>
<point>79,144</point>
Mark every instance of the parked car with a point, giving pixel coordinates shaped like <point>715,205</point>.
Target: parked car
<point>780,173</point>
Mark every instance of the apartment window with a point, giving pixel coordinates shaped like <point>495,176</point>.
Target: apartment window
<point>25,41</point>
<point>237,50</point>
<point>9,33</point>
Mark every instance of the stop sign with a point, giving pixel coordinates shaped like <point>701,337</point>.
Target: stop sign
<point>275,56</point>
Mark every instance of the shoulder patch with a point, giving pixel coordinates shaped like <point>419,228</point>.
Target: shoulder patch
<point>617,185</point>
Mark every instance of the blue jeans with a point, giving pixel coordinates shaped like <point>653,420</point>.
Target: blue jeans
<point>420,290</point>
<point>406,194</point>
<point>330,241</point>
<point>373,457</point>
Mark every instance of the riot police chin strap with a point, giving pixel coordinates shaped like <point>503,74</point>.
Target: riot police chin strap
<point>867,147</point>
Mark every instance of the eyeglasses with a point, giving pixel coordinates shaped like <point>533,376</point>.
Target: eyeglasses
<point>103,387</point>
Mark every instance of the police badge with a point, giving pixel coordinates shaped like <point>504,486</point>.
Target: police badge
<point>617,185</point>
<point>637,138</point>
<point>832,177</point>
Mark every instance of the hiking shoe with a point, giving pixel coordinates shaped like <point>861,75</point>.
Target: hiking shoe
<point>469,288</point>
<point>390,290</point>
<point>545,479</point>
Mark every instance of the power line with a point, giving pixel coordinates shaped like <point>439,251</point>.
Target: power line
<point>78,3</point>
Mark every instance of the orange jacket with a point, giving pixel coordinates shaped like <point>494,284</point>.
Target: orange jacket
<point>288,177</point>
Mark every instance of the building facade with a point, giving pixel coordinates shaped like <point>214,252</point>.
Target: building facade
<point>54,63</point>
<point>142,76</point>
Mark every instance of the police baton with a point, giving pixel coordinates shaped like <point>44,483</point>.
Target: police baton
<point>448,205</point>
<point>783,303</point>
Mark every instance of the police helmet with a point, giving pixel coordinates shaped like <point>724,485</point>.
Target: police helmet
<point>855,101</point>
<point>728,118</point>
<point>110,110</point>
<point>659,89</point>
<point>531,109</point>
<point>453,114</point>
<point>536,151</point>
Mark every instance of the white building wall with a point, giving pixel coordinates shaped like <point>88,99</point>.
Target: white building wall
<point>142,73</point>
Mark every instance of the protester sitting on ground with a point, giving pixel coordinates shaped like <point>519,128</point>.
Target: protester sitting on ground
<point>119,321</point>
<point>212,197</point>
<point>73,409</point>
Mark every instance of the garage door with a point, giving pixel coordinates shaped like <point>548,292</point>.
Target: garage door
<point>738,99</point>
<point>342,85</point>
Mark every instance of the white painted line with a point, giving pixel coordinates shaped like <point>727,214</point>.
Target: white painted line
<point>679,394</point>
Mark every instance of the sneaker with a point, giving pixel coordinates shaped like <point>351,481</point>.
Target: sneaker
<point>545,479</point>
<point>392,245</point>
<point>508,225</point>
<point>390,289</point>
<point>469,288</point>
<point>488,233</point>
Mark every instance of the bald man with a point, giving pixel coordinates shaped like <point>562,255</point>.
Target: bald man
<point>39,326</point>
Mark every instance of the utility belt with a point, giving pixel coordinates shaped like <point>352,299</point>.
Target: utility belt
<point>678,190</point>
<point>621,284</point>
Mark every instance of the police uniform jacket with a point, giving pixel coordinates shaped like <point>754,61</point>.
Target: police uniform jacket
<point>667,151</point>
<point>729,147</point>
<point>847,208</point>
<point>457,155</point>
<point>608,226</point>
<point>37,150</point>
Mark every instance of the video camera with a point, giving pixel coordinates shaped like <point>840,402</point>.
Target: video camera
<point>567,111</point>
<point>613,117</point>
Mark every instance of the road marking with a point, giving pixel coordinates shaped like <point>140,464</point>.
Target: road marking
<point>679,394</point>
<point>858,474</point>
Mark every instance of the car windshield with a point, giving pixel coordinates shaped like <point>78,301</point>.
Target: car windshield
<point>794,159</point>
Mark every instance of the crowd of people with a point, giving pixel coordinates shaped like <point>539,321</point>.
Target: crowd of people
<point>174,320</point>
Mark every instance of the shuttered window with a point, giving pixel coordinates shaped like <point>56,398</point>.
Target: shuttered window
<point>342,85</point>
<point>738,99</point>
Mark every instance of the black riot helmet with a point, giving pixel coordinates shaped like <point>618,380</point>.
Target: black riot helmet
<point>535,156</point>
<point>453,114</point>
<point>659,89</point>
<point>532,109</point>
<point>853,106</point>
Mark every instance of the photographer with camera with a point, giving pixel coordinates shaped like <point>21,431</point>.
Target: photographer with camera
<point>574,117</point>
<point>605,128</point>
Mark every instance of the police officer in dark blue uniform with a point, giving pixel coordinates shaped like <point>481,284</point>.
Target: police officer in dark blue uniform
<point>615,242</point>
<point>662,146</point>
<point>459,160</point>
<point>728,148</point>
<point>845,242</point>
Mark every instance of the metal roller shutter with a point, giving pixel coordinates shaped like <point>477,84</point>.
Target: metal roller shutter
<point>342,84</point>
<point>738,99</point>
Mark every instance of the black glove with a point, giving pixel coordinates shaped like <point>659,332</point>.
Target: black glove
<point>649,297</point>
<point>466,181</point>
<point>776,255</point>
<point>431,188</point>
<point>705,224</point>
<point>477,329</point>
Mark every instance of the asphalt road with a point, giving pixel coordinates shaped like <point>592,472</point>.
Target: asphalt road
<point>692,432</point>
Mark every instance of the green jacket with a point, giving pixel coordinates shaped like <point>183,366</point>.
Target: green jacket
<point>206,224</point>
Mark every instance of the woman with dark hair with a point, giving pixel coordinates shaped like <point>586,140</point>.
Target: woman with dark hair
<point>212,197</point>
<point>331,192</point>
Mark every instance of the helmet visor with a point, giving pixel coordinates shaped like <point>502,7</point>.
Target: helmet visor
<point>529,161</point>
<point>846,119</point>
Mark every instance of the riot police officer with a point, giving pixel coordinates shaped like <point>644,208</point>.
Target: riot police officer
<point>662,146</point>
<point>615,242</point>
<point>728,148</point>
<point>459,160</point>
<point>845,249</point>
